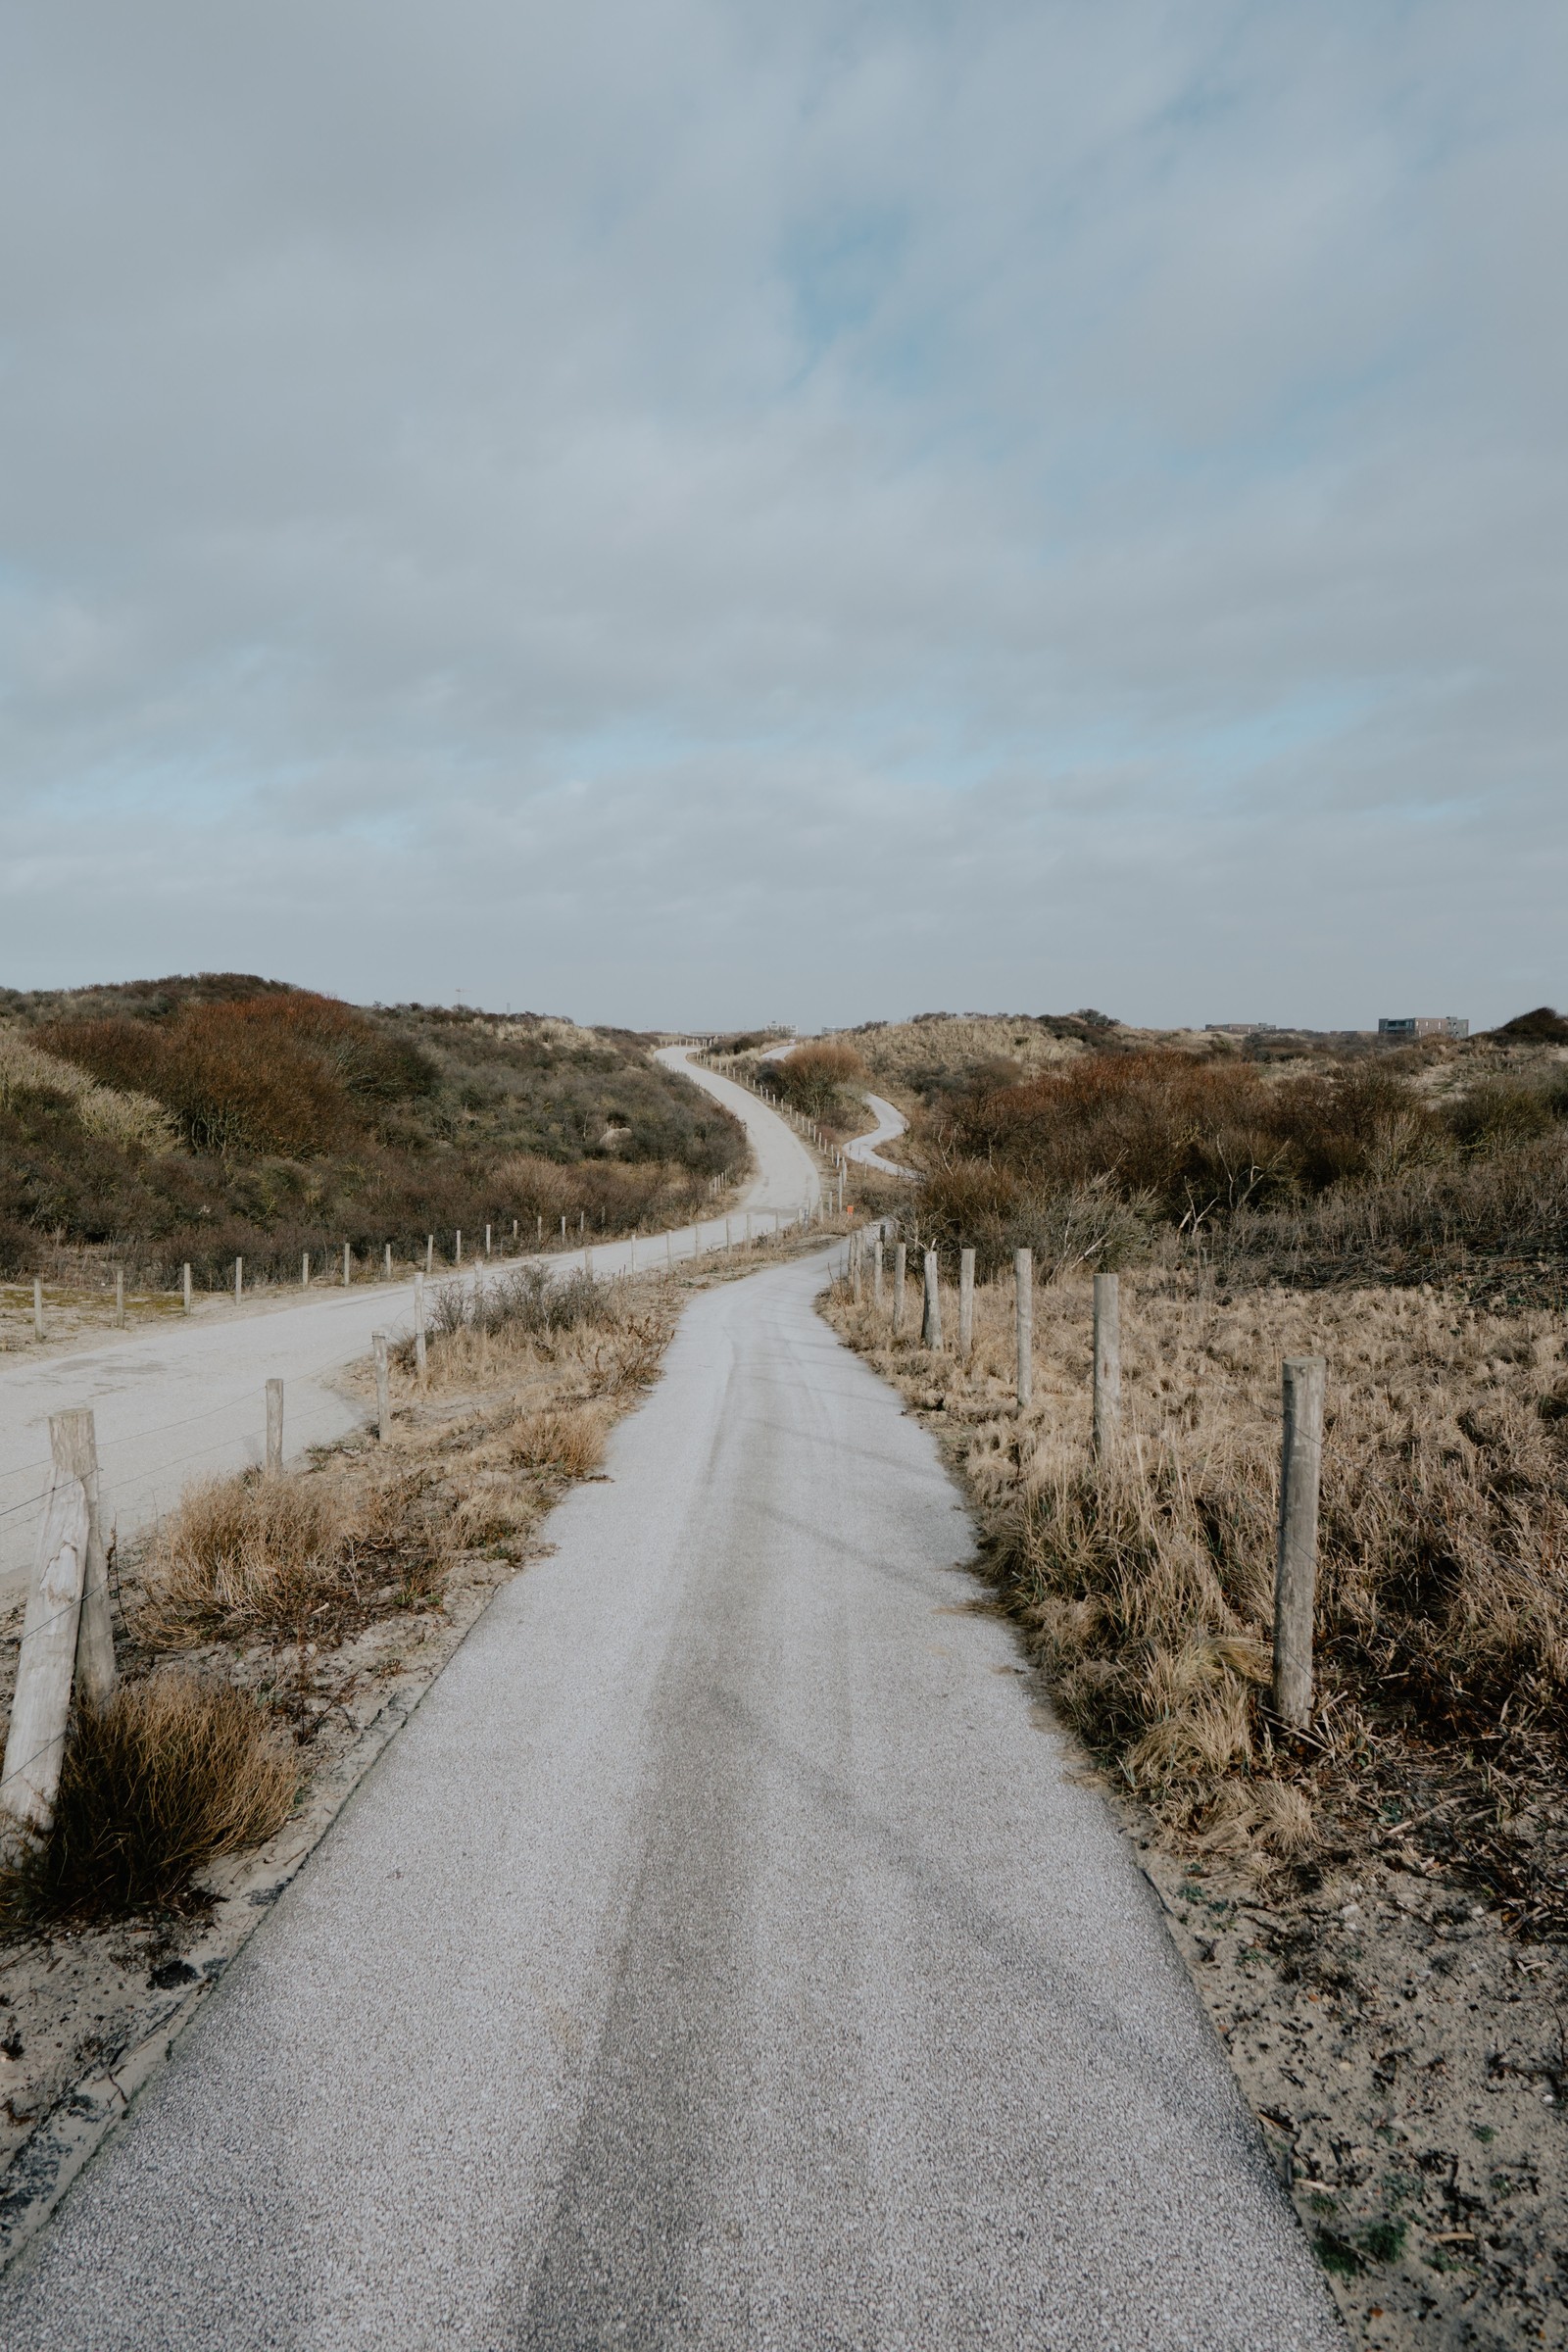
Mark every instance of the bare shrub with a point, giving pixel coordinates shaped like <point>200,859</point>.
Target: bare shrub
<point>283,1557</point>
<point>170,1773</point>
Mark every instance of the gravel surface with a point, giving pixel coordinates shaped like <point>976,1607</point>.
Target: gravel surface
<point>187,1400</point>
<point>724,1955</point>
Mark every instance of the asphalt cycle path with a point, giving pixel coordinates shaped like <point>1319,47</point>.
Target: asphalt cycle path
<point>724,1955</point>
<point>187,1400</point>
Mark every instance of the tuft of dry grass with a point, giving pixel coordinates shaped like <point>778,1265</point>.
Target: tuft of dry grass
<point>172,1772</point>
<point>1146,1577</point>
<point>566,1439</point>
<point>265,1557</point>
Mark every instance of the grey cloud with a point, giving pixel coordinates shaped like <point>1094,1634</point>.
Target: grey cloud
<point>685,511</point>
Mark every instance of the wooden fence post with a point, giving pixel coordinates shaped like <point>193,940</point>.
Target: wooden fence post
<point>1024,1284</point>
<point>539,1232</point>
<point>386,1264</point>
<point>1296,1559</point>
<point>383,1398</point>
<point>429,1254</point>
<point>419,1325</point>
<point>931,1320</point>
<point>876,1272</point>
<point>487,1241</point>
<point>1107,1361</point>
<point>856,1264</point>
<point>73,1445</point>
<point>305,1269</point>
<point>456,1251</point>
<point>274,1425</point>
<point>239,1280</point>
<point>37,1306</point>
<point>184,1284</point>
<point>120,1297</point>
<point>347,1266</point>
<point>899,1263</point>
<point>966,1303</point>
<point>29,1777</point>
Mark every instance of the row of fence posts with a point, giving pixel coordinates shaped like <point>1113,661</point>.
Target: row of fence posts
<point>1303,1379</point>
<point>68,1640</point>
<point>187,1285</point>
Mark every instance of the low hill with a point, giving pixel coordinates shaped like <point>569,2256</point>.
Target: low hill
<point>225,1116</point>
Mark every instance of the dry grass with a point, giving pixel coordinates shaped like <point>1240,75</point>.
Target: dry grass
<point>570,1440</point>
<point>1145,1579</point>
<point>172,1772</point>
<point>132,1120</point>
<point>308,1556</point>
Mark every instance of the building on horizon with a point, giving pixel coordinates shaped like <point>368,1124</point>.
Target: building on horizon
<point>1426,1024</point>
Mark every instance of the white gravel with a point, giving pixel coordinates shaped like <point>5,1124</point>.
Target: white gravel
<point>722,1957</point>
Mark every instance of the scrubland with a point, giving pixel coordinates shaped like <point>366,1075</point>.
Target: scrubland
<point>204,1119</point>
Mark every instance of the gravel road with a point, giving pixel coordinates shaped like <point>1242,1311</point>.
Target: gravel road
<point>724,1957</point>
<point>187,1400</point>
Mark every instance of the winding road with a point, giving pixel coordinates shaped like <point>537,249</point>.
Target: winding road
<point>725,1955</point>
<point>890,1122</point>
<point>187,1399</point>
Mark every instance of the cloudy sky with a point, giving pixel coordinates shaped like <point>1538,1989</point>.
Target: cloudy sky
<point>681,511</point>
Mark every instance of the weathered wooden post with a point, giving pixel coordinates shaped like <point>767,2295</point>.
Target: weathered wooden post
<point>1108,1361</point>
<point>899,1263</point>
<point>73,1447</point>
<point>383,1398</point>
<point>931,1320</point>
<point>347,1266</point>
<point>1296,1559</point>
<point>274,1425</point>
<point>539,1232</point>
<point>966,1303</point>
<point>185,1283</point>
<point>457,1247</point>
<point>487,1241</point>
<point>37,1306</point>
<point>239,1280</point>
<point>305,1269</point>
<point>562,1233</point>
<point>429,1255</point>
<point>120,1297</point>
<point>588,1262</point>
<point>514,1236</point>
<point>29,1777</point>
<point>1024,1284</point>
<point>857,1265</point>
<point>876,1272</point>
<point>386,1264</point>
<point>419,1325</point>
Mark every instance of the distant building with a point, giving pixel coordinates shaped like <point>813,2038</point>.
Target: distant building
<point>1239,1028</point>
<point>1434,1024</point>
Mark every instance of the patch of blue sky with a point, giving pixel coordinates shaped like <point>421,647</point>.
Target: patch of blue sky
<point>838,270</point>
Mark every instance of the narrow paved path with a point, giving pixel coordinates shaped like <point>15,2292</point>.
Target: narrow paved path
<point>722,1957</point>
<point>187,1400</point>
<point>890,1122</point>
